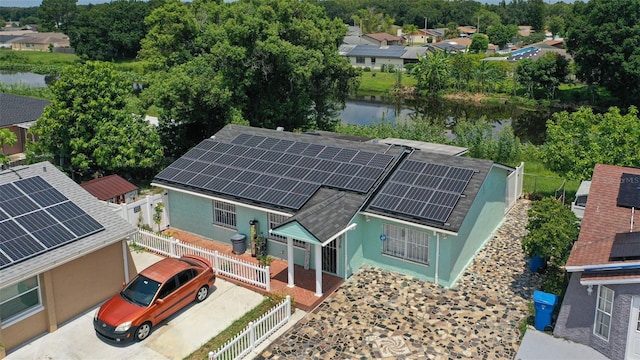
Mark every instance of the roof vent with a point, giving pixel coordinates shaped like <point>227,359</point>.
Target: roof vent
<point>279,128</point>
<point>212,137</point>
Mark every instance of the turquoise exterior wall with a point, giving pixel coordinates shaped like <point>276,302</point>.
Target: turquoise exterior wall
<point>484,217</point>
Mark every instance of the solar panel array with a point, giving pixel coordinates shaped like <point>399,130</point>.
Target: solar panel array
<point>626,246</point>
<point>35,218</point>
<point>629,191</point>
<point>275,171</point>
<point>423,190</point>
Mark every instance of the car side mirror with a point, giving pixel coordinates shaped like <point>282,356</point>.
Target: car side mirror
<point>160,301</point>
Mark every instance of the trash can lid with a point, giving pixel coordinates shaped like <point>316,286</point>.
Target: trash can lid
<point>238,236</point>
<point>542,297</point>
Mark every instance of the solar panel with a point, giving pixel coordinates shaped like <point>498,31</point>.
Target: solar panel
<point>274,167</point>
<point>629,191</point>
<point>35,218</point>
<point>626,246</point>
<point>423,190</point>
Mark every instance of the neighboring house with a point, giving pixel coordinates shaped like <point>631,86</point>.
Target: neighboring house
<point>374,57</point>
<point>383,39</point>
<point>334,203</point>
<point>429,35</point>
<point>602,302</point>
<point>467,31</point>
<point>6,40</point>
<point>112,188</point>
<point>457,45</point>
<point>41,42</point>
<point>17,113</point>
<point>62,252</point>
<point>525,30</point>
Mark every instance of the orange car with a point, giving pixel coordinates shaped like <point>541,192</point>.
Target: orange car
<point>157,292</point>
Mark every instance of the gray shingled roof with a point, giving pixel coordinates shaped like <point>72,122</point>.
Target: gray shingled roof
<point>391,51</point>
<point>16,109</point>
<point>115,228</point>
<point>330,210</point>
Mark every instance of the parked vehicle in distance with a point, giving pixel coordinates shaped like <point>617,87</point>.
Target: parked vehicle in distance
<point>156,293</point>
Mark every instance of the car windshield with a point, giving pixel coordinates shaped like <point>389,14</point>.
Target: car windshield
<point>140,291</point>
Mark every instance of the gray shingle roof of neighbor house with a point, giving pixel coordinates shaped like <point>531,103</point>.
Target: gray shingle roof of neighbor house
<point>115,228</point>
<point>16,109</point>
<point>391,51</point>
<point>328,208</point>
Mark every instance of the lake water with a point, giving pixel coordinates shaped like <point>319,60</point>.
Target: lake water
<point>25,78</point>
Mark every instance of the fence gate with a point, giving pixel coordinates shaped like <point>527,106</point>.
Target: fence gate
<point>330,257</point>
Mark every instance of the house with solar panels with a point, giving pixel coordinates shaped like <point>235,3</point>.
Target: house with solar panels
<point>601,305</point>
<point>62,252</point>
<point>334,202</point>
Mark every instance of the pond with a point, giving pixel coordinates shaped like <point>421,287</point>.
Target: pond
<point>24,78</point>
<point>528,125</point>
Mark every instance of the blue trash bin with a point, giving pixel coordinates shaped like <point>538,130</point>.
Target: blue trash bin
<point>536,263</point>
<point>543,303</point>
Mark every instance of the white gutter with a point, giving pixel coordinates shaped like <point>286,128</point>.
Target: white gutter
<point>604,267</point>
<point>426,227</point>
<point>221,199</point>
<point>350,227</point>
<point>610,282</point>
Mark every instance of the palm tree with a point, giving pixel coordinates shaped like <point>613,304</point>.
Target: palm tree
<point>432,71</point>
<point>410,30</point>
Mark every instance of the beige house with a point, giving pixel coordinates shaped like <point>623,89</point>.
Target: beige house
<point>41,42</point>
<point>62,252</point>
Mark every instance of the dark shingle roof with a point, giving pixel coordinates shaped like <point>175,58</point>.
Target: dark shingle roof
<point>16,109</point>
<point>391,51</point>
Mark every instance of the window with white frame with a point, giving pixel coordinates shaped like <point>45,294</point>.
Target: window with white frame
<point>275,220</point>
<point>224,214</point>
<point>18,299</point>
<point>604,309</point>
<point>405,243</point>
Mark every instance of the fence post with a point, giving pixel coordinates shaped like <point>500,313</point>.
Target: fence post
<point>216,261</point>
<point>252,335</point>
<point>267,270</point>
<point>288,309</point>
<point>172,247</point>
<point>211,356</point>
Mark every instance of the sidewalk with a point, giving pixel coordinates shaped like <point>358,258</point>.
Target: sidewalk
<point>537,345</point>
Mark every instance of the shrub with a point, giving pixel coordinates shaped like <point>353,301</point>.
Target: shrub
<point>391,68</point>
<point>366,69</point>
<point>383,68</point>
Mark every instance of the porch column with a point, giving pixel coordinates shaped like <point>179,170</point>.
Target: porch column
<point>290,261</point>
<point>318,263</point>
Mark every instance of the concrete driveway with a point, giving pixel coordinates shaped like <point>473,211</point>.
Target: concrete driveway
<point>177,337</point>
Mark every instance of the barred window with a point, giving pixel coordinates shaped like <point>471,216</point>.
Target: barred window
<point>604,311</point>
<point>19,299</point>
<point>224,214</point>
<point>407,244</point>
<point>275,220</point>
<point>359,59</point>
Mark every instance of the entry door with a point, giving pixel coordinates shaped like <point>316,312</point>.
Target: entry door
<point>633,337</point>
<point>330,257</point>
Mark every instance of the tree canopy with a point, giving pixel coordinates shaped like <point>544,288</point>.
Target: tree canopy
<point>86,129</point>
<point>577,141</point>
<point>546,73</point>
<point>271,62</point>
<point>604,39</point>
<point>56,14</point>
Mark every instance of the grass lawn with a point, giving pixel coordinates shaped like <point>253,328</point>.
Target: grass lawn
<point>382,82</point>
<point>540,180</point>
<point>35,61</point>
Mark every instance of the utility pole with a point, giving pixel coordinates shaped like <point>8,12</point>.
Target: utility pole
<point>425,23</point>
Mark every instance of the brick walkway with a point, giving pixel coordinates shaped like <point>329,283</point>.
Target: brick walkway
<point>379,314</point>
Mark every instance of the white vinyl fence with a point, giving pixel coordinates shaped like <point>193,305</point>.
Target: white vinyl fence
<point>255,333</point>
<point>141,212</point>
<point>224,265</point>
<point>514,187</point>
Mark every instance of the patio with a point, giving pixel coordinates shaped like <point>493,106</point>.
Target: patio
<point>303,293</point>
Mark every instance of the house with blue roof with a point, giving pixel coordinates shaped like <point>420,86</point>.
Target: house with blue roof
<point>334,203</point>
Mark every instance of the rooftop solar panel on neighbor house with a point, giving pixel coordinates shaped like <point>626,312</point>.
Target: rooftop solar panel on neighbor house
<point>626,246</point>
<point>36,218</point>
<point>250,166</point>
<point>423,190</point>
<point>629,191</point>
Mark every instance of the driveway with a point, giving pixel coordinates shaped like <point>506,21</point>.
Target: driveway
<point>381,314</point>
<point>177,337</point>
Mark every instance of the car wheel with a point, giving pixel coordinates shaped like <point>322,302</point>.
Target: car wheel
<point>143,331</point>
<point>202,294</point>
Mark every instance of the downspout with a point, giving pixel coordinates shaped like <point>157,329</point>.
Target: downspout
<point>437,256</point>
<point>126,260</point>
<point>346,255</point>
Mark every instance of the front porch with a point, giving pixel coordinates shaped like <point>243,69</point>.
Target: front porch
<point>304,291</point>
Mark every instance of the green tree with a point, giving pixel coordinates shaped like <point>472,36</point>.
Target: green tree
<point>479,44</point>
<point>502,34</point>
<point>477,136</point>
<point>577,141</point>
<point>372,21</point>
<point>486,18</point>
<point>171,37</point>
<point>552,230</point>
<point>547,72</point>
<point>556,25</point>
<point>508,147</point>
<point>432,71</point>
<point>410,30</point>
<point>8,138</point>
<point>56,14</point>
<point>86,129</point>
<point>536,15</point>
<point>451,31</point>
<point>612,61</point>
<point>270,62</point>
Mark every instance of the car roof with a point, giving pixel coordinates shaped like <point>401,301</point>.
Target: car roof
<point>165,269</point>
